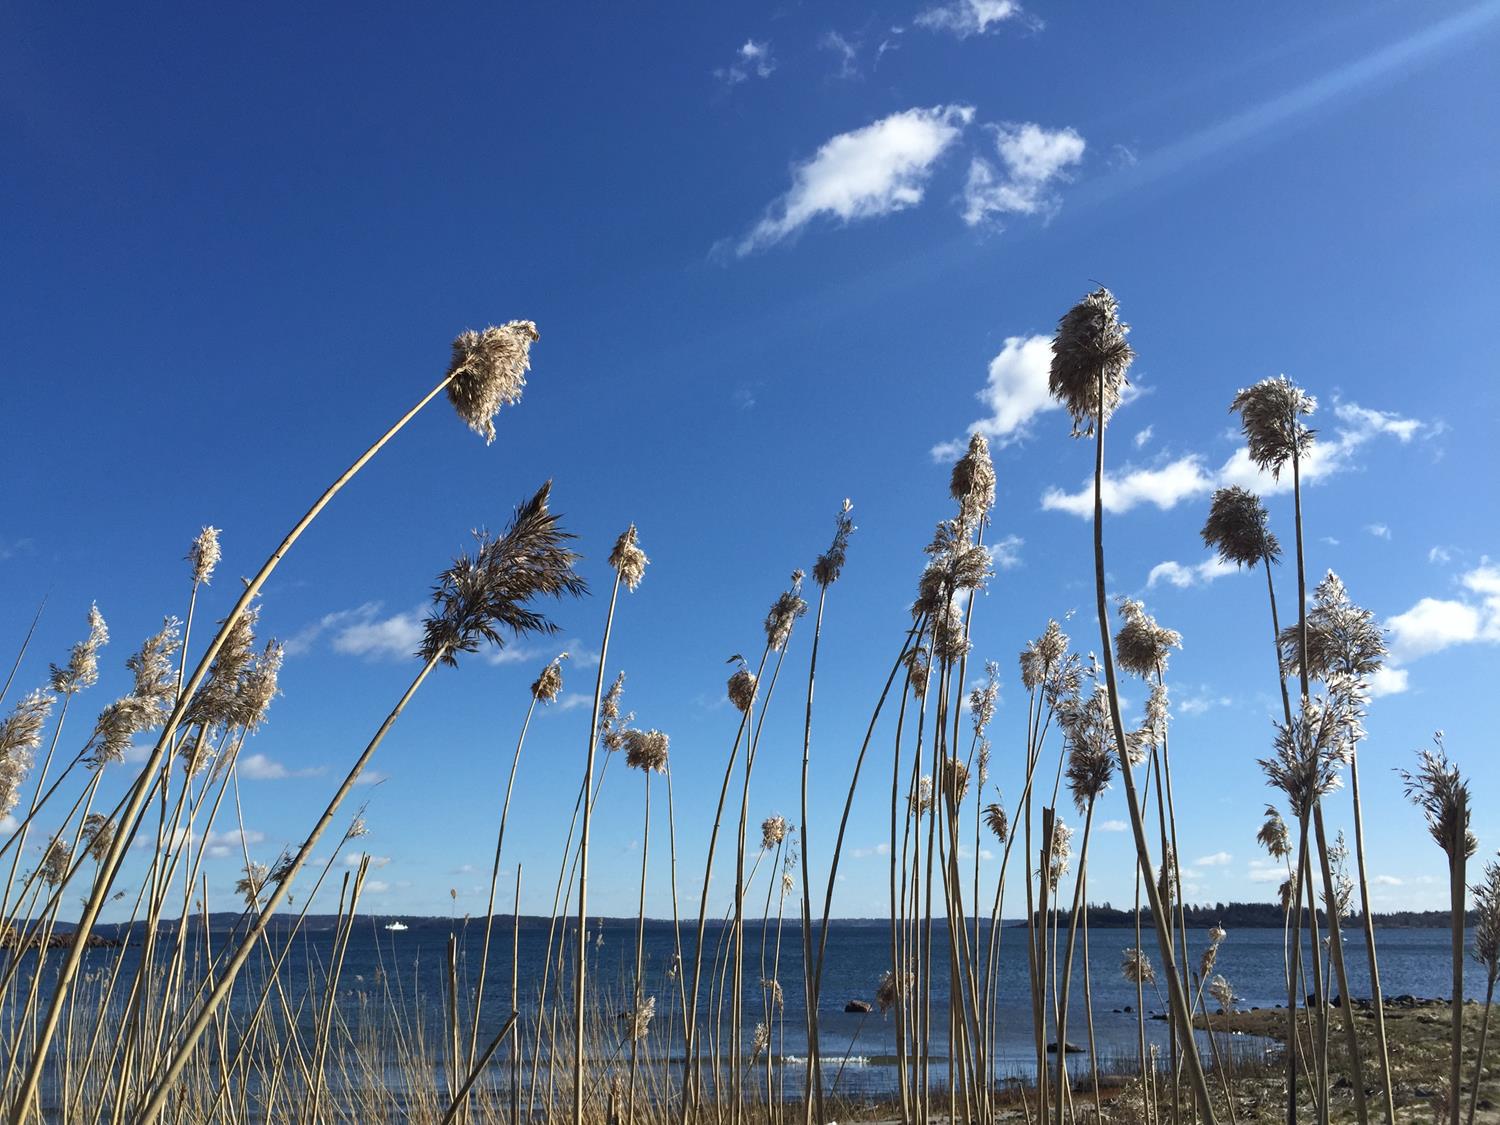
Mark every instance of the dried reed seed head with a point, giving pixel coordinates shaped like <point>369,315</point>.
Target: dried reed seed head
<point>983,755</point>
<point>1487,923</point>
<point>82,668</point>
<point>97,835</point>
<point>258,687</point>
<point>772,988</point>
<point>488,371</point>
<point>646,750</point>
<point>772,831</point>
<point>1217,934</point>
<point>216,702</point>
<point>1273,835</point>
<point>995,819</point>
<point>1271,414</point>
<point>1238,527</point>
<point>1287,893</point>
<point>155,670</point>
<point>640,1019</point>
<point>197,754</point>
<point>20,735</point>
<point>921,801</point>
<point>949,642</point>
<point>628,560</point>
<point>983,698</point>
<point>1041,658</point>
<point>1166,878</point>
<point>1136,967</point>
<point>742,687</point>
<point>56,859</point>
<point>1441,792</point>
<point>204,555</point>
<point>1306,756</point>
<point>783,614</point>
<point>787,884</point>
<point>973,483</point>
<point>1090,347</point>
<point>609,707</point>
<point>830,564</point>
<point>1221,990</point>
<point>1142,646</point>
<point>1345,644</point>
<point>1060,855</point>
<point>485,596</point>
<point>759,1041</point>
<point>955,780</point>
<point>892,988</point>
<point>548,686</point>
<point>251,883</point>
<point>357,828</point>
<point>1207,961</point>
<point>918,669</point>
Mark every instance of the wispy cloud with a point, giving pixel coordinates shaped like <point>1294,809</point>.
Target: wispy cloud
<point>871,171</point>
<point>1218,859</point>
<point>362,631</point>
<point>1167,484</point>
<point>1005,553</point>
<point>964,18</point>
<point>258,767</point>
<point>352,859</point>
<point>1113,826</point>
<point>1033,160</point>
<point>752,60</point>
<point>845,49</point>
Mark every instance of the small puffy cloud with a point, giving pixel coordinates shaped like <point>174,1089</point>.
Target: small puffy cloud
<point>1113,826</point>
<point>1379,530</point>
<point>1218,859</point>
<point>1389,680</point>
<point>866,853</point>
<point>1204,701</point>
<point>376,886</point>
<point>1006,553</point>
<point>1432,625</point>
<point>1440,556</point>
<point>1261,871</point>
<point>752,60</point>
<point>871,171</point>
<point>394,637</point>
<point>1033,159</point>
<point>1176,574</point>
<point>1386,881</point>
<point>1143,438</point>
<point>964,18</point>
<point>371,777</point>
<point>352,859</point>
<point>1014,393</point>
<point>1164,486</point>
<point>258,767</point>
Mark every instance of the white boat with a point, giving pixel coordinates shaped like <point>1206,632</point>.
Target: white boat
<point>397,926</point>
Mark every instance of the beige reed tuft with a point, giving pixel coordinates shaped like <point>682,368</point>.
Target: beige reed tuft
<point>488,371</point>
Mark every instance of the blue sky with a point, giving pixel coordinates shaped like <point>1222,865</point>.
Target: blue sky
<point>778,256</point>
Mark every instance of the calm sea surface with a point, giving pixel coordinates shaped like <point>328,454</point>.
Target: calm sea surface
<point>408,970</point>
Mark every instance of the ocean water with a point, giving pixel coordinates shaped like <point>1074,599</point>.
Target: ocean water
<point>409,971</point>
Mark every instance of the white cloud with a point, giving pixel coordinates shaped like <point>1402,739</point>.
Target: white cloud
<point>376,886</point>
<point>1198,704</point>
<point>964,18</point>
<point>1184,576</point>
<point>352,859</point>
<point>1440,556</point>
<point>1143,438</point>
<point>752,60</point>
<point>1389,680</point>
<point>371,777</point>
<point>1262,871</point>
<point>1187,477</point>
<point>258,767</point>
<point>1386,881</point>
<point>8,823</point>
<point>1379,530</point>
<point>1113,826</point>
<point>846,50</point>
<point>1164,486</point>
<point>866,853</point>
<point>1014,393</point>
<point>1218,859</point>
<point>1032,160</point>
<point>1355,426</point>
<point>880,168</point>
<point>396,636</point>
<point>1006,554</point>
<point>1432,625</point>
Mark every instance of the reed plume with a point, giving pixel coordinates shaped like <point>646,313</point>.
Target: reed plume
<point>203,555</point>
<point>1441,792</point>
<point>1090,356</point>
<point>488,371</point>
<point>82,669</point>
<point>20,735</point>
<point>973,483</point>
<point>1271,414</point>
<point>1238,528</point>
